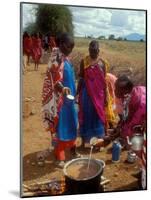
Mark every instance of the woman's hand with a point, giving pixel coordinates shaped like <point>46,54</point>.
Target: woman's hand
<point>66,91</point>
<point>77,99</point>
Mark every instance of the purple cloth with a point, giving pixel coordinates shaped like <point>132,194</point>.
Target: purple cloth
<point>95,84</point>
<point>137,110</point>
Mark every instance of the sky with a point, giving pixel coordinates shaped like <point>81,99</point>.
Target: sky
<point>99,21</point>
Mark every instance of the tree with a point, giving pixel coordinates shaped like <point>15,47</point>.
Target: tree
<point>119,39</point>
<point>54,19</point>
<point>111,37</point>
<point>90,36</point>
<point>101,37</point>
<point>31,28</point>
<point>141,40</point>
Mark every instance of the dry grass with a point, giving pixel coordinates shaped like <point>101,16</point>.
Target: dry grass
<point>125,57</point>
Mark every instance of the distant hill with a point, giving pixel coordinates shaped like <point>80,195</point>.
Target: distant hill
<point>135,37</point>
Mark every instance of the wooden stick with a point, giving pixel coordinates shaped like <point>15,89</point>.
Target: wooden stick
<point>45,182</point>
<point>26,187</point>
<point>28,194</point>
<point>105,182</point>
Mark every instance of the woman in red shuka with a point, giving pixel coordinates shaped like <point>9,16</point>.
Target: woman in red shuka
<point>27,46</point>
<point>36,49</point>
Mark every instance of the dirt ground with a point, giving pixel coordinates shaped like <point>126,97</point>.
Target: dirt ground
<point>35,139</point>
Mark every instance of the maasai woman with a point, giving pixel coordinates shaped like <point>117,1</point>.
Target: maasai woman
<point>134,104</point>
<point>60,115</point>
<point>27,46</point>
<point>92,94</point>
<point>36,49</point>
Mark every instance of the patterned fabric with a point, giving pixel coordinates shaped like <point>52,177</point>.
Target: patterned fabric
<point>52,43</point>
<point>127,99</point>
<point>51,99</point>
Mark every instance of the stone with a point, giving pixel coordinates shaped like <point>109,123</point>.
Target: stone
<point>116,174</point>
<point>41,163</point>
<point>33,163</point>
<point>33,112</point>
<point>28,161</point>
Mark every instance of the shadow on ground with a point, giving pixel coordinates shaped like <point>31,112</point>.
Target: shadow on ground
<point>31,169</point>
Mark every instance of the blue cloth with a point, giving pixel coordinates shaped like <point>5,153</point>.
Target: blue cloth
<point>67,125</point>
<point>92,125</point>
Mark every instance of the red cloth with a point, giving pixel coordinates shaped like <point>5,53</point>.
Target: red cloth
<point>52,99</point>
<point>36,49</point>
<point>60,148</point>
<point>136,109</point>
<point>27,46</point>
<point>52,42</point>
<point>96,85</point>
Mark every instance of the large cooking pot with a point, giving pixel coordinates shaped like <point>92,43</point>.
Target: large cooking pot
<point>81,180</point>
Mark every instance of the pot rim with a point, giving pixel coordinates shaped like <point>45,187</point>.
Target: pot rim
<point>86,158</point>
<point>102,162</point>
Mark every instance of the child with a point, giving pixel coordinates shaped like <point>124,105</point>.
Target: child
<point>60,115</point>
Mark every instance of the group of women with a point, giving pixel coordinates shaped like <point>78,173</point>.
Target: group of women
<point>104,101</point>
<point>32,46</point>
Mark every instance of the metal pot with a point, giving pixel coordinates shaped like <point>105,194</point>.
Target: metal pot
<point>136,142</point>
<point>86,185</point>
<point>131,156</point>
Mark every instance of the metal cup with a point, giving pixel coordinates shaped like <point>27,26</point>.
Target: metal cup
<point>93,141</point>
<point>69,98</point>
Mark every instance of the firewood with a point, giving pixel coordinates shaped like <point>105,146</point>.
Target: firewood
<point>105,182</point>
<point>45,182</point>
<point>26,187</point>
<point>28,194</point>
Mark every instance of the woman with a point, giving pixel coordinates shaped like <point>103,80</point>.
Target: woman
<point>134,104</point>
<point>36,49</point>
<point>92,94</point>
<point>27,46</point>
<point>60,116</point>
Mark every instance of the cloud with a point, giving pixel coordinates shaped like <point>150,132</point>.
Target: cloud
<point>98,21</point>
<point>90,21</point>
<point>28,14</point>
<point>119,18</point>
